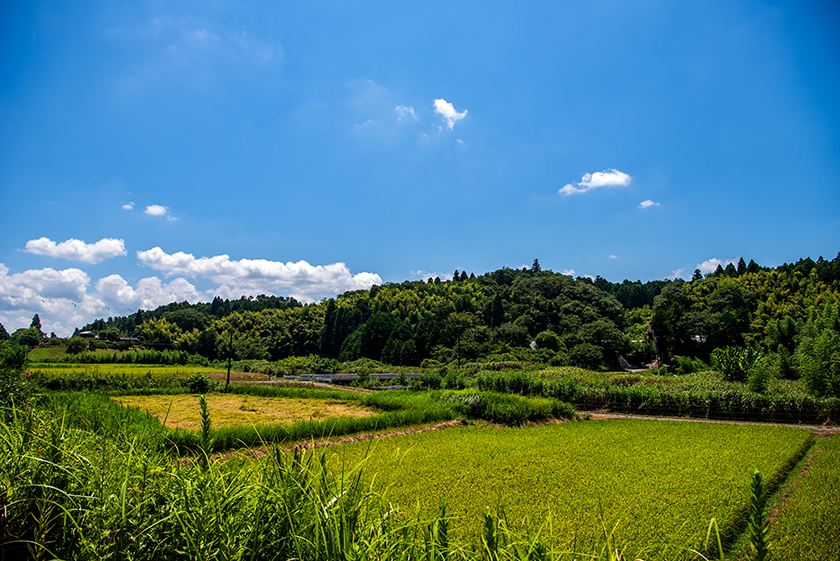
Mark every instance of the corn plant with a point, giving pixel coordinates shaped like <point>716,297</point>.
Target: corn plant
<point>758,525</point>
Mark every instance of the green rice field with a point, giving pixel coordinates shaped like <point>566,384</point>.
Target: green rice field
<point>58,369</point>
<point>654,485</point>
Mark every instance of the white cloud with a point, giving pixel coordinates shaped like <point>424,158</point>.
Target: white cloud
<point>677,274</point>
<point>77,250</point>
<point>407,113</point>
<point>612,256</point>
<point>128,206</point>
<point>256,276</point>
<point>710,265</point>
<point>569,272</point>
<point>41,283</point>
<point>150,293</point>
<point>57,296</point>
<point>647,203</point>
<point>447,111</point>
<point>155,210</point>
<point>64,299</point>
<point>589,181</point>
<point>427,276</point>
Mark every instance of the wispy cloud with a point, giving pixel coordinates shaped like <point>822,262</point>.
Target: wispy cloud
<point>647,203</point>
<point>611,256</point>
<point>188,51</point>
<point>77,250</point>
<point>128,206</point>
<point>677,274</point>
<point>447,111</point>
<point>406,113</point>
<point>589,181</point>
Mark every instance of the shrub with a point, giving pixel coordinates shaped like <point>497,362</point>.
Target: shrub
<point>200,383</point>
<point>508,409</point>
<point>548,340</point>
<point>762,372</point>
<point>688,365</point>
<point>454,380</point>
<point>364,379</point>
<point>430,381</point>
<point>587,355</point>
<point>76,345</point>
<point>734,362</point>
<point>625,380</point>
<point>819,363</point>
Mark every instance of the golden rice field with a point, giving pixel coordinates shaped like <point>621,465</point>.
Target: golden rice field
<point>230,410</point>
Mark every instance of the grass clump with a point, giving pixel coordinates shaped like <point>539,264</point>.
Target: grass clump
<point>507,409</point>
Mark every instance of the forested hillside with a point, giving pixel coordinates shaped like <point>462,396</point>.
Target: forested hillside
<point>529,314</point>
<point>548,315</point>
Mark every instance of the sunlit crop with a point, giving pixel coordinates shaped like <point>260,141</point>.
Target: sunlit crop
<point>657,483</point>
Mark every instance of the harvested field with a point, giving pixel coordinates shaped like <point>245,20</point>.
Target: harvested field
<point>230,410</point>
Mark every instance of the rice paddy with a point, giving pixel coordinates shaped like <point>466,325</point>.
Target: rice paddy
<point>658,484</point>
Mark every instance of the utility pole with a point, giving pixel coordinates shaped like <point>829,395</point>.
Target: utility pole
<point>230,356</point>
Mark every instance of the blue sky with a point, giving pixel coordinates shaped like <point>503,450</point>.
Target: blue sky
<point>160,151</point>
